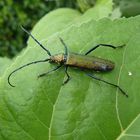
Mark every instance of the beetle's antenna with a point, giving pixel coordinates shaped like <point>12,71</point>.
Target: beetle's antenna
<point>66,48</point>
<point>23,67</point>
<point>48,52</point>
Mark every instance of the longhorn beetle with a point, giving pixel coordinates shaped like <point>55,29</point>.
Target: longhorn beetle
<point>67,59</point>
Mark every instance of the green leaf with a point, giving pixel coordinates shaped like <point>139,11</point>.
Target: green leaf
<point>4,63</point>
<point>54,22</point>
<point>82,109</point>
<point>85,107</point>
<point>102,8</point>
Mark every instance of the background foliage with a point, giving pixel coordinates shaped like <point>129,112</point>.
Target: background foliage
<point>14,13</point>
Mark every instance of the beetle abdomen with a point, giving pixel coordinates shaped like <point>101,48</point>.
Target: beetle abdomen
<point>89,62</point>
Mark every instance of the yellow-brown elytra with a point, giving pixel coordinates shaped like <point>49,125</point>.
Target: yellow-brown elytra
<point>67,59</point>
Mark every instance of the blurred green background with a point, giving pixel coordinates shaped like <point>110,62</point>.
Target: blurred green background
<point>14,13</point>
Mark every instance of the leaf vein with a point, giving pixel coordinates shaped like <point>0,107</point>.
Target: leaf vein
<point>118,81</point>
<point>123,133</point>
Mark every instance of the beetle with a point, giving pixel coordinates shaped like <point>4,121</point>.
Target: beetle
<point>67,59</point>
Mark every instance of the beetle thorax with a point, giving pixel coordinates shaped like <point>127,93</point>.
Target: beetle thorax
<point>58,58</point>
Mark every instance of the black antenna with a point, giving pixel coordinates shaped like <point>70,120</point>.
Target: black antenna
<point>23,67</point>
<point>66,48</point>
<point>48,52</point>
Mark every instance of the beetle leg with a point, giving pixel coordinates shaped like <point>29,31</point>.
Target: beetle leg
<point>96,78</point>
<point>105,45</point>
<point>44,74</point>
<point>68,77</point>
